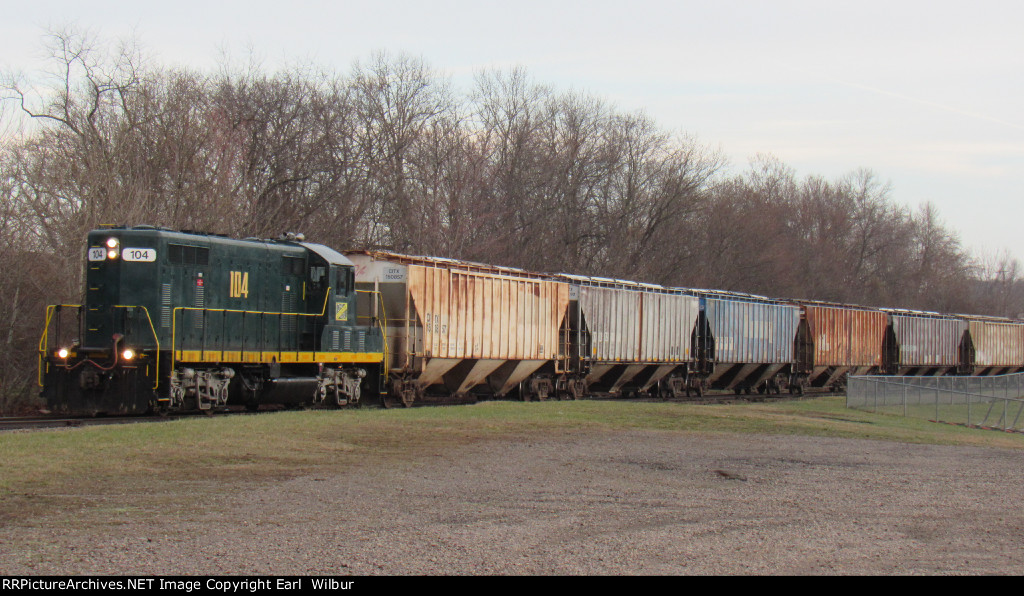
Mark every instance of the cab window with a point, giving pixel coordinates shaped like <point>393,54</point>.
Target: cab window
<point>341,282</point>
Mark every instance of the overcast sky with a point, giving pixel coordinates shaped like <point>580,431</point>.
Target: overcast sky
<point>927,94</point>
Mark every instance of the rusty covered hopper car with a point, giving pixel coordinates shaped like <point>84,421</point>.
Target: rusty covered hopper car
<point>746,341</point>
<point>924,343</point>
<point>628,337</point>
<point>993,346</point>
<point>461,327</point>
<point>837,340</point>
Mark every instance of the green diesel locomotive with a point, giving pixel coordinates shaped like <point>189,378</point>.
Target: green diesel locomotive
<point>180,321</point>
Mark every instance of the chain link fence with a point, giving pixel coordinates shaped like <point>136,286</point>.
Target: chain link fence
<point>988,402</point>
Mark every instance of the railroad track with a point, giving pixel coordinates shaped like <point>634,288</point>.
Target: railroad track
<point>43,422</point>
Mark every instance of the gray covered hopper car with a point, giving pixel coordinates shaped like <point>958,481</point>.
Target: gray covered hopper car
<point>924,343</point>
<point>627,337</point>
<point>747,342</point>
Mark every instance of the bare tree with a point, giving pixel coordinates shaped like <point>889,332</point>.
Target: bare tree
<point>997,288</point>
<point>395,100</point>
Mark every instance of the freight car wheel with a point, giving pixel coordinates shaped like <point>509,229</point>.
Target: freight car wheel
<point>524,392</point>
<point>577,389</point>
<point>403,392</point>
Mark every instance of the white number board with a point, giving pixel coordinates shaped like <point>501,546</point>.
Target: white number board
<point>97,254</point>
<point>144,255</point>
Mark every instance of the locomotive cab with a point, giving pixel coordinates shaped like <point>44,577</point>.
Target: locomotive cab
<point>330,289</point>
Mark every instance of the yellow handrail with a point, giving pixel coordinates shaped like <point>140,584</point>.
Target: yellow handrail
<point>382,323</point>
<point>174,319</point>
<point>44,339</point>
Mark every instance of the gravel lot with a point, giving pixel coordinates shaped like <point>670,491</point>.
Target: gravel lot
<point>594,503</point>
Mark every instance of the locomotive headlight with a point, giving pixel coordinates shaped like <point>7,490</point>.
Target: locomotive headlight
<point>111,254</point>
<point>111,242</point>
<point>128,354</point>
<point>62,353</point>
